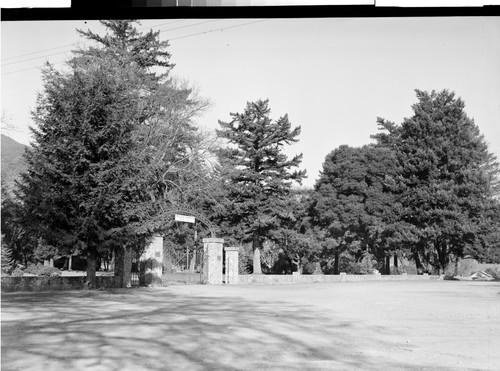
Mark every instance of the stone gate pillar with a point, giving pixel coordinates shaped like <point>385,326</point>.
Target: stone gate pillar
<point>151,262</point>
<point>232,265</point>
<point>212,260</point>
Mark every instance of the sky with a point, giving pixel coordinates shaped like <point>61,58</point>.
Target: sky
<point>332,76</point>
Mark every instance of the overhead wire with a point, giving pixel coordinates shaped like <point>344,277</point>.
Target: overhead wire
<point>169,39</point>
<point>75,44</point>
<point>219,29</point>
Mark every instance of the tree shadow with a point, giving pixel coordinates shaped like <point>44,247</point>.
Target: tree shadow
<point>154,329</point>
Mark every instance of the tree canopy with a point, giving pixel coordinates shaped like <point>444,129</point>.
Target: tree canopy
<point>116,152</point>
<point>447,175</point>
<point>354,201</point>
<point>257,174</point>
<point>112,141</point>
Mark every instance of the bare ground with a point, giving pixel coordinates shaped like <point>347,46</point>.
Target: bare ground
<point>435,325</point>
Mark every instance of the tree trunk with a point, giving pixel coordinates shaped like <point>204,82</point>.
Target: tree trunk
<point>336,262</point>
<point>418,263</point>
<point>442,251</point>
<point>118,264</point>
<point>388,265</point>
<point>127,267</point>
<point>70,262</point>
<point>112,263</point>
<point>297,262</point>
<point>193,262</point>
<point>456,266</point>
<point>256,261</point>
<point>91,266</point>
<point>123,266</point>
<point>256,255</point>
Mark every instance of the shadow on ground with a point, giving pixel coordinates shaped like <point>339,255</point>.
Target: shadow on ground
<point>155,329</point>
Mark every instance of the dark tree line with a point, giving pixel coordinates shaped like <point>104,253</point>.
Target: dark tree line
<point>116,150</point>
<point>427,190</point>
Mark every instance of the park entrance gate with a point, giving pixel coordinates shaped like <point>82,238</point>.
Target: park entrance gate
<point>217,267</point>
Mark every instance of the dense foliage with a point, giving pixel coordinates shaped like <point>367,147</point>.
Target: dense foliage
<point>354,202</point>
<point>257,175</point>
<point>116,152</point>
<point>112,141</point>
<point>448,181</point>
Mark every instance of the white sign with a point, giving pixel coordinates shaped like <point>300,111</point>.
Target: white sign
<point>184,218</point>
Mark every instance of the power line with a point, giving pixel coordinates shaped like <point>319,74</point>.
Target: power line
<point>174,38</point>
<point>38,52</point>
<point>31,59</point>
<point>75,44</point>
<point>218,29</point>
<point>189,25</point>
<point>31,68</point>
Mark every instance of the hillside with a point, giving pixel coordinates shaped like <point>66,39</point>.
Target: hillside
<point>12,163</point>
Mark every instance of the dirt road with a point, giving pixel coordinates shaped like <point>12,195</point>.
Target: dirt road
<point>434,325</point>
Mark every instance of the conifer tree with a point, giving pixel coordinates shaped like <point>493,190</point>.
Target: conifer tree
<point>448,179</point>
<point>294,234</point>
<point>353,203</point>
<point>258,175</point>
<point>112,137</point>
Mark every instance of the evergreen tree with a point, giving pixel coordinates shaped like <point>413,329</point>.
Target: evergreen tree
<point>112,137</point>
<point>17,235</point>
<point>448,178</point>
<point>353,202</point>
<point>257,174</point>
<point>294,234</point>
<point>126,44</point>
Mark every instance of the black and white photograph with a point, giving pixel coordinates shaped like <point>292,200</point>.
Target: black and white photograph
<point>299,188</point>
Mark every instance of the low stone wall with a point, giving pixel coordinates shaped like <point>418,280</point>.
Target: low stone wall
<point>311,278</point>
<point>11,284</point>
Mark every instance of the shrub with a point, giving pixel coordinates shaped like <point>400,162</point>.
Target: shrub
<point>7,259</point>
<point>317,268</point>
<point>449,277</point>
<point>493,272</point>
<point>245,262</point>
<point>43,271</point>
<point>17,272</point>
<point>367,264</point>
<point>397,270</point>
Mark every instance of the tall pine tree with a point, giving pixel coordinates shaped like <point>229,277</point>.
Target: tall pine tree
<point>258,175</point>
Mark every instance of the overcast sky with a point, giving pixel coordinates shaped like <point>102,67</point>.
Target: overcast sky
<point>333,76</point>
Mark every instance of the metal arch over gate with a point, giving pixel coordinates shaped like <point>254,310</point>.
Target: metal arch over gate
<point>181,210</point>
<point>189,211</point>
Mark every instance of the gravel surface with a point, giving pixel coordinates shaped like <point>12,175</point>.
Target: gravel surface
<point>429,325</point>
